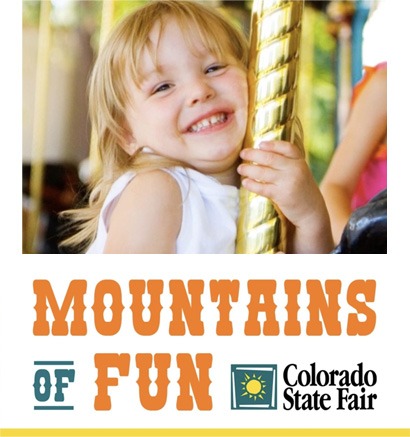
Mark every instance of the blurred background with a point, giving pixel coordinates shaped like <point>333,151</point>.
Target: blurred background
<point>60,41</point>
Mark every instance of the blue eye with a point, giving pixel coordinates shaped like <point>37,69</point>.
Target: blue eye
<point>215,67</point>
<point>162,87</point>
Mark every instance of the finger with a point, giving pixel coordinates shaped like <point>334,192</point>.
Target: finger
<point>258,173</point>
<point>284,148</point>
<point>260,157</point>
<point>271,154</point>
<point>257,187</point>
<point>267,159</point>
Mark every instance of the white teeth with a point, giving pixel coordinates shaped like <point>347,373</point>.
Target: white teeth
<point>206,122</point>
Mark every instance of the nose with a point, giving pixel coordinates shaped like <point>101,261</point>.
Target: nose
<point>199,91</point>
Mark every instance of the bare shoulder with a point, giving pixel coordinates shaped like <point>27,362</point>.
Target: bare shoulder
<point>155,182</point>
<point>376,88</point>
<point>155,189</point>
<point>148,215</point>
<point>381,75</point>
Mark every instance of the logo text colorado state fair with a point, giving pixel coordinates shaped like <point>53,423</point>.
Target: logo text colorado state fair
<point>259,297</point>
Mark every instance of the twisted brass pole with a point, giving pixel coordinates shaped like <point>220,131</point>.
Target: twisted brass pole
<point>272,77</point>
<point>39,128</point>
<point>107,19</point>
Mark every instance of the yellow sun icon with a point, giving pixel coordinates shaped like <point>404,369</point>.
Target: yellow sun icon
<point>253,387</point>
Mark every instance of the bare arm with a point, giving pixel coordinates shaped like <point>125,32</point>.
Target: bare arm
<point>282,175</point>
<point>364,132</point>
<point>147,217</point>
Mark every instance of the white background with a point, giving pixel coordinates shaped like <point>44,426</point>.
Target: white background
<point>385,350</point>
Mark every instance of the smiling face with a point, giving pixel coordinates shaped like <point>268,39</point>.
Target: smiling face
<point>190,104</point>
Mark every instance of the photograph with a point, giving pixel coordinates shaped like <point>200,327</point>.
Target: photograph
<point>278,144</point>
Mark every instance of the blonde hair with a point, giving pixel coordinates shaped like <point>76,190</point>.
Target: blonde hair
<point>108,93</point>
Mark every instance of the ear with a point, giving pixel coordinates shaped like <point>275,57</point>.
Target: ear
<point>130,145</point>
<point>130,148</point>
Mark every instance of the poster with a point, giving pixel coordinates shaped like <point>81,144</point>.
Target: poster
<point>219,365</point>
<point>289,380</point>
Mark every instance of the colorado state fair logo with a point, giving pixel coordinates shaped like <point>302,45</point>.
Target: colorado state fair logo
<point>253,387</point>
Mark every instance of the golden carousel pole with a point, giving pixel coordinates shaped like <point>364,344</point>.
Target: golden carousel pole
<point>272,78</point>
<point>341,13</point>
<point>39,127</point>
<point>107,18</point>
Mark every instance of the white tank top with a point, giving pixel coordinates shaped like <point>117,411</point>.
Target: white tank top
<point>210,212</point>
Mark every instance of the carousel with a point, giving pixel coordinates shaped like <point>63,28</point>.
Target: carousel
<point>308,61</point>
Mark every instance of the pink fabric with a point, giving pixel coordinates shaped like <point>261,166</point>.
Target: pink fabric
<point>374,177</point>
<point>372,180</point>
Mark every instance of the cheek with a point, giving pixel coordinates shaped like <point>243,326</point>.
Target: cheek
<point>246,92</point>
<point>140,124</point>
<point>243,98</point>
<point>241,90</point>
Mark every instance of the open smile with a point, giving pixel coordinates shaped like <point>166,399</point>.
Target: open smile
<point>209,122</point>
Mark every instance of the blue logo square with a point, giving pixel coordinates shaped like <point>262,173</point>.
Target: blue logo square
<point>254,387</point>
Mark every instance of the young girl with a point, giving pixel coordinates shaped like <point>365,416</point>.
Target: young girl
<point>168,101</point>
